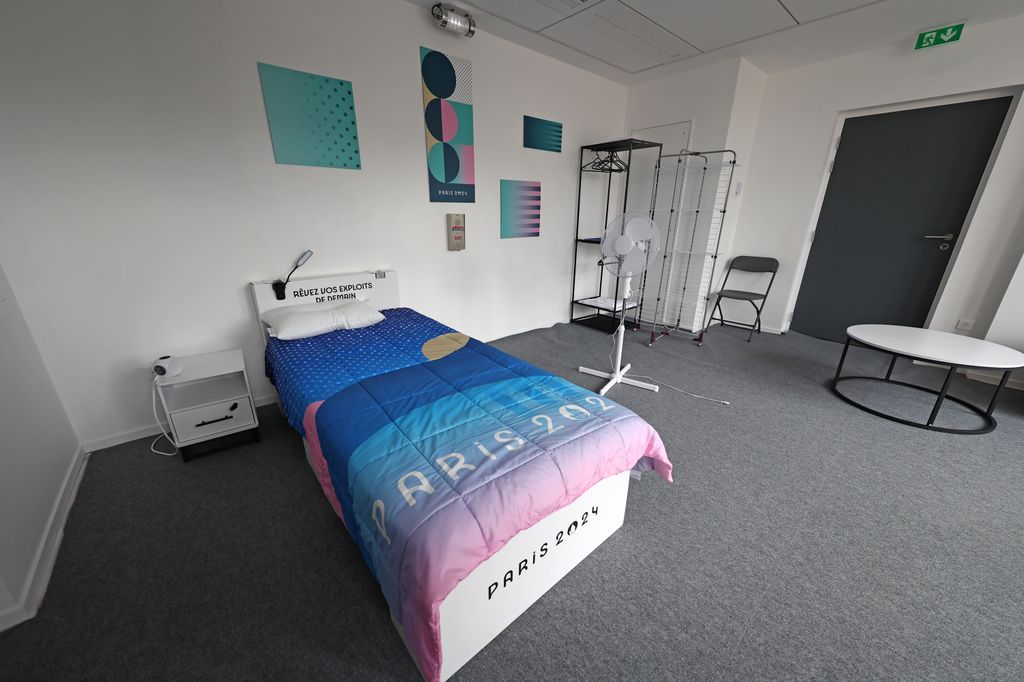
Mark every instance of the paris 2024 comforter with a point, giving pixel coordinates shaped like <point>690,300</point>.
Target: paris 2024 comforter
<point>436,449</point>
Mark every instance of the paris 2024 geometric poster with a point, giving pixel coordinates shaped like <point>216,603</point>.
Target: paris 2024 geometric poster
<point>448,121</point>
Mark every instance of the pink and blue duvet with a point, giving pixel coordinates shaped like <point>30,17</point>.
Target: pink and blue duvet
<point>435,449</point>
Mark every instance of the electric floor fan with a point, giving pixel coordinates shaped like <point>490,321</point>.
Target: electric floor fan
<point>629,244</point>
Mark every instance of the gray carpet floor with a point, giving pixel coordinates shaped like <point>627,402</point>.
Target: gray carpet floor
<point>802,538</point>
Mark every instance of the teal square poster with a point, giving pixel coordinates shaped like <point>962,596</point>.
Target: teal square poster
<point>312,118</point>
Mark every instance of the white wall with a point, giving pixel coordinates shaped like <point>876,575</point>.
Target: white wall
<point>723,102</point>
<point>799,110</point>
<point>703,96</point>
<point>37,452</point>
<point>8,603</point>
<point>1008,324</point>
<point>743,116</point>
<point>140,192</point>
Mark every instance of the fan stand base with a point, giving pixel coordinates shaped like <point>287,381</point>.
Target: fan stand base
<point>617,378</point>
<point>619,375</point>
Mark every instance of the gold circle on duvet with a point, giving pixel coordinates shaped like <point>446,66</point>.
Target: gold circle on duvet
<point>445,344</point>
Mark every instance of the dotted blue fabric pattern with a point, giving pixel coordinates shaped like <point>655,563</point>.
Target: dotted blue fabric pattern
<point>307,370</point>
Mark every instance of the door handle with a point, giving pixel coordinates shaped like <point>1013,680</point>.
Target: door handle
<point>948,237</point>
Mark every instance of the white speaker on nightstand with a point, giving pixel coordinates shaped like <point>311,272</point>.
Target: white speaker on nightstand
<point>167,366</point>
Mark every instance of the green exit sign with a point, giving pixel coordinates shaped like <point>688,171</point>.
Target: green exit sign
<point>939,36</point>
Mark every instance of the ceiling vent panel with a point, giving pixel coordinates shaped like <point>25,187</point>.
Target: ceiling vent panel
<point>711,25</point>
<point>533,14</point>
<point>617,35</point>
<point>809,10</point>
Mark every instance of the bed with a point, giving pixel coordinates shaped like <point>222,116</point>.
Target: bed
<point>470,480</point>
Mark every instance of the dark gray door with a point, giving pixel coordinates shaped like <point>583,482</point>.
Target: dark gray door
<point>898,179</point>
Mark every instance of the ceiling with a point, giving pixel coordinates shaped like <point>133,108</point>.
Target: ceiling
<point>631,40</point>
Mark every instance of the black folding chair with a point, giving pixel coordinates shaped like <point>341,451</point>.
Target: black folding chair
<point>754,264</point>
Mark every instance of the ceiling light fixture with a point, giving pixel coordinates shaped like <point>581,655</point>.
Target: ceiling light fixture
<point>453,19</point>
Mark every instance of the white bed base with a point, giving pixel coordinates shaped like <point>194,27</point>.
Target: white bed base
<point>483,605</point>
<point>470,618</point>
<point>501,588</point>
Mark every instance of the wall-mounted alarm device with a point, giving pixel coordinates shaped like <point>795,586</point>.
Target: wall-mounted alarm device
<point>455,227</point>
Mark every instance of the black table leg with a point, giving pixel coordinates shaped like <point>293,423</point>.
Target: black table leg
<point>942,394</point>
<point>842,359</point>
<point>892,364</point>
<point>999,389</point>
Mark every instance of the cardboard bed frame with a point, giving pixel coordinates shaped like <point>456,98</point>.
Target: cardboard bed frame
<point>501,588</point>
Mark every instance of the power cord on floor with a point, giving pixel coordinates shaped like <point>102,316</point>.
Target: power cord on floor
<point>662,383</point>
<point>692,395</point>
<point>611,362</point>
<point>163,434</point>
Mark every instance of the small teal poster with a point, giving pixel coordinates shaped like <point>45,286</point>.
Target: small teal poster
<point>447,84</point>
<point>539,133</point>
<point>312,118</point>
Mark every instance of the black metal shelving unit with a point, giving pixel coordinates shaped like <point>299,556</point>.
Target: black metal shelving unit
<point>612,159</point>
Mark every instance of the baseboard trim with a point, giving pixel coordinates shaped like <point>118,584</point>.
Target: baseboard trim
<point>764,328</point>
<point>994,378</point>
<point>12,616</point>
<point>38,579</point>
<point>264,400</point>
<point>120,438</point>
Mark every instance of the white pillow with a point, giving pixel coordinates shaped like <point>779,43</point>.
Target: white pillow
<point>312,319</point>
<point>358,314</point>
<point>301,321</point>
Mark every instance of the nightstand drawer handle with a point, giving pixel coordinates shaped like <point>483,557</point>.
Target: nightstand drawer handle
<point>214,421</point>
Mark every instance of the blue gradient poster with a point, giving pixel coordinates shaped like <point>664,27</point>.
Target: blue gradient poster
<point>542,134</point>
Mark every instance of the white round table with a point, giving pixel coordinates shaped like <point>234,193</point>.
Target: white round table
<point>929,345</point>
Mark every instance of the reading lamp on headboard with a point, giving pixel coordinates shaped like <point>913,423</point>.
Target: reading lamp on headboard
<point>279,286</point>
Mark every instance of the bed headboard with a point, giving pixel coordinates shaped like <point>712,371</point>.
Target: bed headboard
<point>377,288</point>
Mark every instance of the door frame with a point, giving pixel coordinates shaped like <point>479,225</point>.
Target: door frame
<point>805,251</point>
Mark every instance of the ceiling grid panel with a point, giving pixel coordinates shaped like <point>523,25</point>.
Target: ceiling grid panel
<point>616,34</point>
<point>713,25</point>
<point>633,40</point>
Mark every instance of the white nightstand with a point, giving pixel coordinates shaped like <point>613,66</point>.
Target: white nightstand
<point>209,399</point>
